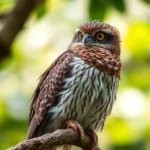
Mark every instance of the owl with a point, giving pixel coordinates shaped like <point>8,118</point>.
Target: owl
<point>78,90</point>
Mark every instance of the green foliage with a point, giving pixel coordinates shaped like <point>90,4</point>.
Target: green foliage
<point>137,40</point>
<point>12,131</point>
<point>98,8</point>
<point>6,5</point>
<point>137,76</point>
<point>147,1</point>
<point>116,126</point>
<point>19,73</point>
<point>40,10</point>
<point>119,5</point>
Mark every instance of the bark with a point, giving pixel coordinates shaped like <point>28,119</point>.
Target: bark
<point>13,23</point>
<point>57,138</point>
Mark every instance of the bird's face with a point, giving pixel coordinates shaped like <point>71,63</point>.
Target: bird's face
<point>98,44</point>
<point>97,34</point>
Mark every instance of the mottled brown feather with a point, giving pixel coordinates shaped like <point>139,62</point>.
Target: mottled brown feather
<point>89,27</point>
<point>46,91</point>
<point>105,58</point>
<point>100,58</point>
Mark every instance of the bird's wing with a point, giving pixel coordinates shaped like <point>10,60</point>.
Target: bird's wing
<point>47,89</point>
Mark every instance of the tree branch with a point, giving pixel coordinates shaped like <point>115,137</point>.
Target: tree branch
<point>59,137</point>
<point>13,23</point>
<point>4,15</point>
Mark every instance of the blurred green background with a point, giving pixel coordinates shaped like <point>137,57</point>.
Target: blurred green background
<point>46,34</point>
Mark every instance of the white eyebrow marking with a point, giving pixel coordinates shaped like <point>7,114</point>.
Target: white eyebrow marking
<point>75,44</point>
<point>108,31</point>
<point>77,29</point>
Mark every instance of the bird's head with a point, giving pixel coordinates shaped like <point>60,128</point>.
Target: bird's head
<point>97,34</point>
<point>98,44</point>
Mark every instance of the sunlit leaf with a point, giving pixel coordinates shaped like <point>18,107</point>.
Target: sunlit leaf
<point>137,40</point>
<point>118,128</point>
<point>6,5</point>
<point>1,112</point>
<point>138,76</point>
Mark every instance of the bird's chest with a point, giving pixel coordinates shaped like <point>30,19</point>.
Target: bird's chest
<point>87,95</point>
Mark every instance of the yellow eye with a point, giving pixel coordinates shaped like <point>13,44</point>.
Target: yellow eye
<point>100,36</point>
<point>80,36</point>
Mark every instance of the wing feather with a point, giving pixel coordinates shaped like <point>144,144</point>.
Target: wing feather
<point>47,89</point>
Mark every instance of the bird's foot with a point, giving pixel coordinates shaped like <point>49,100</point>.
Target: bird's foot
<point>75,125</point>
<point>91,133</point>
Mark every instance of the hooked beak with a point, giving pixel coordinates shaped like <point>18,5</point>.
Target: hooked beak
<point>87,39</point>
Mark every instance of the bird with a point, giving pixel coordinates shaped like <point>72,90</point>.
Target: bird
<point>79,89</point>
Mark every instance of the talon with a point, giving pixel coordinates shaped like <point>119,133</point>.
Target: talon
<point>75,125</point>
<point>94,138</point>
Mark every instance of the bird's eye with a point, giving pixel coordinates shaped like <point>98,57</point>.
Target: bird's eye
<point>80,36</point>
<point>100,36</point>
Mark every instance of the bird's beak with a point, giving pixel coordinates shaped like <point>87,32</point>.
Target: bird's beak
<point>87,39</point>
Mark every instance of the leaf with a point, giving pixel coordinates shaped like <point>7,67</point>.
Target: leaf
<point>119,5</point>
<point>40,10</point>
<point>146,1</point>
<point>137,40</point>
<point>97,9</point>
<point>6,5</point>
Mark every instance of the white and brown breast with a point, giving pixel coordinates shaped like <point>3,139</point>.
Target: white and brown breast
<point>86,95</point>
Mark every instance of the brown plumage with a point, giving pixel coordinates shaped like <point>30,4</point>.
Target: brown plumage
<point>81,84</point>
<point>48,87</point>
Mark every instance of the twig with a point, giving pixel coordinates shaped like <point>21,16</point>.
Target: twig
<point>57,138</point>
